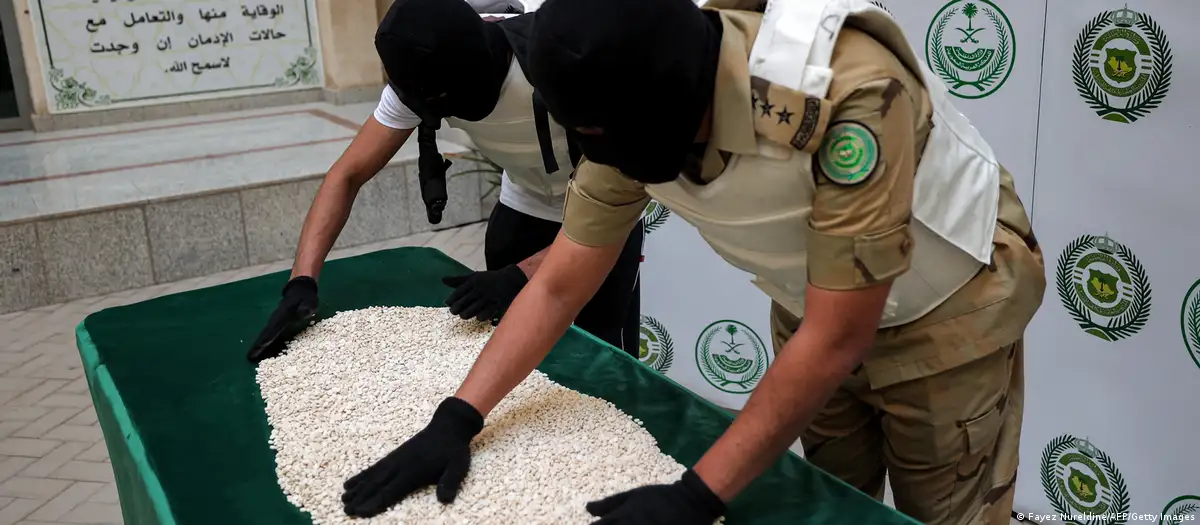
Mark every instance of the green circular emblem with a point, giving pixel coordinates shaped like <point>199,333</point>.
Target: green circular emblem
<point>1189,322</point>
<point>1104,287</point>
<point>654,216</point>
<point>849,153</point>
<point>1180,510</point>
<point>731,357</point>
<point>1082,482</point>
<point>973,54</point>
<point>1122,65</point>
<point>656,350</point>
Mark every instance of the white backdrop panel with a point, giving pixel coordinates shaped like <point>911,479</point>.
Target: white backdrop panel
<point>1004,109</point>
<point>1132,397</point>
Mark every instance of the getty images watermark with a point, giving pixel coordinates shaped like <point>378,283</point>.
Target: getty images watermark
<point>1120,517</point>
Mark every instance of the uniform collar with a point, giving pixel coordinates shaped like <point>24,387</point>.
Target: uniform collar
<point>732,112</point>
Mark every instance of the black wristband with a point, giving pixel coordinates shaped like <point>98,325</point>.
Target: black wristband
<point>704,495</point>
<point>459,417</point>
<point>302,282</point>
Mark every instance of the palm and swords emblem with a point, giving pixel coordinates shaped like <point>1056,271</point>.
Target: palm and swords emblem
<point>970,31</point>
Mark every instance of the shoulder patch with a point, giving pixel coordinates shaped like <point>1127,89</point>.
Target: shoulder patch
<point>849,153</point>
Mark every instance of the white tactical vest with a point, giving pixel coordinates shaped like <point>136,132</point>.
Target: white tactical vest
<point>508,136</point>
<point>754,214</point>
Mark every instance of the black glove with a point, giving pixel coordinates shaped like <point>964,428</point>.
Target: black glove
<point>686,502</point>
<point>441,453</point>
<point>296,309</point>
<point>485,295</point>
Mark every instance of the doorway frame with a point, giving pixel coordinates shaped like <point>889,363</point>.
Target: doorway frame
<point>16,63</point>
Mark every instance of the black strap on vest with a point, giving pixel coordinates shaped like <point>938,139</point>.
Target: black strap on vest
<point>517,30</point>
<point>431,171</point>
<point>541,120</point>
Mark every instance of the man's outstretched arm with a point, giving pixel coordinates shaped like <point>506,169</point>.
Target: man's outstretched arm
<point>567,278</point>
<point>370,151</point>
<point>838,329</point>
<point>602,207</point>
<point>601,210</point>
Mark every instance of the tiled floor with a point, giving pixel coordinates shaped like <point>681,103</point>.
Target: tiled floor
<point>54,467</point>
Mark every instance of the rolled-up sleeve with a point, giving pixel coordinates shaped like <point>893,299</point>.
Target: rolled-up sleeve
<point>865,169</point>
<point>602,205</point>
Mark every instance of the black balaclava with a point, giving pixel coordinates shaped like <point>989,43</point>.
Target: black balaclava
<point>442,59</point>
<point>641,70</point>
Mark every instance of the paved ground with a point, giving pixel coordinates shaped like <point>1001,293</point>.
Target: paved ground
<point>54,467</point>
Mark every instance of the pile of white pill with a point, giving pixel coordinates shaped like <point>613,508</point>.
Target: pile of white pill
<point>353,387</point>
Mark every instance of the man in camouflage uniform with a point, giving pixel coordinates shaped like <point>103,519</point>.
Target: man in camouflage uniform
<point>900,368</point>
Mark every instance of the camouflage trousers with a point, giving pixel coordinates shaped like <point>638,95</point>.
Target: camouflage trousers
<point>947,442</point>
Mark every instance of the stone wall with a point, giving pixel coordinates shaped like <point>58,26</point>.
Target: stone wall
<point>61,258</point>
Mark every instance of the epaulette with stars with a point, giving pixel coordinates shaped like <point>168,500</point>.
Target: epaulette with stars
<point>775,109</point>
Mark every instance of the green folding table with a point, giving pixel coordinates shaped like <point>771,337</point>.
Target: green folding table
<point>187,433</point>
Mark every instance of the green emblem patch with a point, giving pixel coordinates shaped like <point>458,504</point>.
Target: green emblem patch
<point>1122,65</point>
<point>1104,287</point>
<point>849,153</point>
<point>656,349</point>
<point>1083,482</point>
<point>973,61</point>
<point>731,357</point>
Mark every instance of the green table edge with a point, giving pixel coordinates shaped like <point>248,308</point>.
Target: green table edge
<point>121,430</point>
